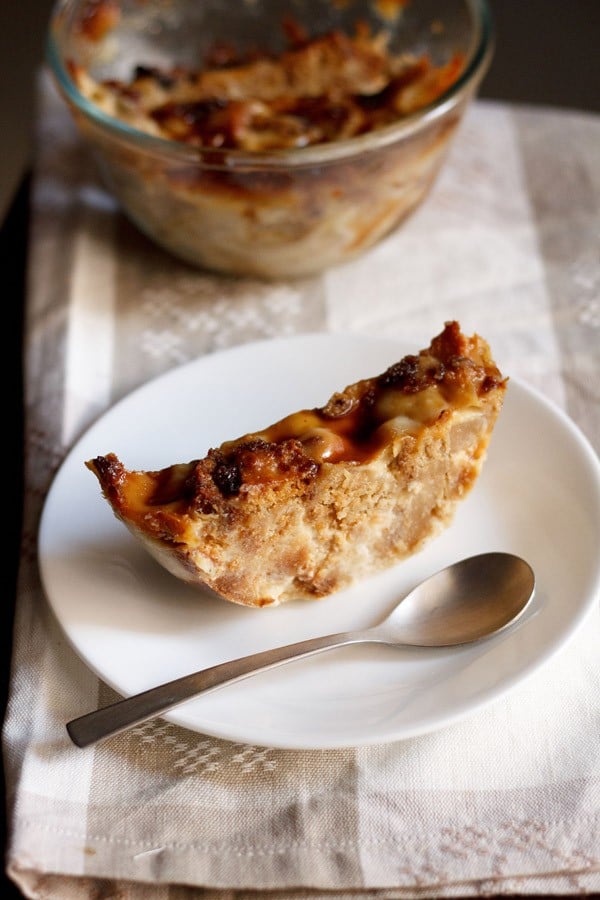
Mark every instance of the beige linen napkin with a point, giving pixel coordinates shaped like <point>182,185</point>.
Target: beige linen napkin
<point>507,801</point>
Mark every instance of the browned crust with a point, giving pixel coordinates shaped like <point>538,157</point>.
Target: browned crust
<point>330,87</point>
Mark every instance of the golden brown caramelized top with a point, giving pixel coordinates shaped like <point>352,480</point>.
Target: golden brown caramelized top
<point>454,373</point>
<point>321,89</point>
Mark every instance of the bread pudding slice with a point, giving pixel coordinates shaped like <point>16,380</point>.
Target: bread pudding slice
<point>325,496</point>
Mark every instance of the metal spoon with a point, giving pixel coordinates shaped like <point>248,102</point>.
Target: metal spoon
<point>467,601</point>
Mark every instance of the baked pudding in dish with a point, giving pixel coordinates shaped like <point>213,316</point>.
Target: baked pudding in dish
<point>326,90</point>
<point>249,144</point>
<point>326,496</point>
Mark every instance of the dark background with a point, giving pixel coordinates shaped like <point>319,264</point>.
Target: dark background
<point>547,53</point>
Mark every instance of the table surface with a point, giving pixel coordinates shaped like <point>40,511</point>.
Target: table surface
<point>523,71</point>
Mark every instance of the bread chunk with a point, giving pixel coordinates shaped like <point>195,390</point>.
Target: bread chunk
<point>325,496</point>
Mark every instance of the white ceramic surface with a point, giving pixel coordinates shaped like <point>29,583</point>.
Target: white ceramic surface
<point>136,626</point>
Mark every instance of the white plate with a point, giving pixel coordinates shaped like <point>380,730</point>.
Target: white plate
<point>136,626</point>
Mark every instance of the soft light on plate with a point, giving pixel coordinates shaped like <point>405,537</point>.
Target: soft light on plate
<point>137,626</point>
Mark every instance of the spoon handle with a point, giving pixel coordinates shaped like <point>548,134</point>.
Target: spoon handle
<point>123,714</point>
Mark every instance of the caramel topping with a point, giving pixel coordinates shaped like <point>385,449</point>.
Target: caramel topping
<point>453,372</point>
<point>356,424</point>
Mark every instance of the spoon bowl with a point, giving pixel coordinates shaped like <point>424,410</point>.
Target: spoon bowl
<point>468,601</point>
